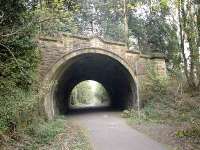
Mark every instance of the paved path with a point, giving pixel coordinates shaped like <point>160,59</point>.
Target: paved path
<point>108,131</point>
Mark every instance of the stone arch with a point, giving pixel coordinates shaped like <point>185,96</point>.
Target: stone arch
<point>57,71</point>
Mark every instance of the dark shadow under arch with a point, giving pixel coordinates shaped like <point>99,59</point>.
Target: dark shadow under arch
<point>108,71</point>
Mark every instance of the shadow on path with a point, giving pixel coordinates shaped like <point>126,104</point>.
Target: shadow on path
<point>91,110</point>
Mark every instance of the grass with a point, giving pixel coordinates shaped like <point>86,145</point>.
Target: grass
<point>168,110</point>
<point>179,113</point>
<point>167,103</point>
<point>45,132</point>
<point>60,133</point>
<point>76,138</point>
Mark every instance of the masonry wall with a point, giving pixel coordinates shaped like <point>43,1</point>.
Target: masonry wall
<point>53,49</point>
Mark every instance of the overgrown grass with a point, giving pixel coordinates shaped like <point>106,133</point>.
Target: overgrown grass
<point>164,102</point>
<point>74,138</point>
<point>182,114</point>
<point>57,134</point>
<point>18,108</point>
<point>44,132</point>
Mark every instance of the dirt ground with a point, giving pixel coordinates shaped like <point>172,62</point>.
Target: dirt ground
<point>166,134</point>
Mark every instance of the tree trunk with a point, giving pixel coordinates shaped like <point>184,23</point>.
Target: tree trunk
<point>189,29</point>
<point>198,55</point>
<point>126,24</point>
<point>182,38</point>
<point>40,4</point>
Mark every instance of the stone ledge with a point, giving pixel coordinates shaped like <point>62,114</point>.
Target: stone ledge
<point>88,38</point>
<point>158,56</point>
<point>148,56</point>
<point>133,51</point>
<point>47,38</point>
<point>54,39</point>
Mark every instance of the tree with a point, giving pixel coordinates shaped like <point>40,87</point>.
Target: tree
<point>189,33</point>
<point>18,59</point>
<point>101,94</point>
<point>18,50</point>
<point>81,94</point>
<point>20,22</point>
<point>153,31</point>
<point>126,23</point>
<point>101,17</point>
<point>55,16</point>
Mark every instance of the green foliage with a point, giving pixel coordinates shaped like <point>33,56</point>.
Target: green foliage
<point>82,93</point>
<point>164,102</point>
<point>101,94</point>
<point>134,115</point>
<point>89,92</point>
<point>153,31</point>
<point>155,86</point>
<point>192,131</point>
<point>56,16</point>
<point>20,22</point>
<point>36,135</point>
<point>18,107</point>
<point>154,34</point>
<point>45,132</point>
<point>54,134</point>
<point>164,4</point>
<point>187,11</point>
<point>18,59</point>
<point>104,18</point>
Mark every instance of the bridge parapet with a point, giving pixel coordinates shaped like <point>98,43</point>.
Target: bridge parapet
<point>54,49</point>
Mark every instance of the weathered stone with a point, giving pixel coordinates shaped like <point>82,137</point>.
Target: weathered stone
<point>70,59</point>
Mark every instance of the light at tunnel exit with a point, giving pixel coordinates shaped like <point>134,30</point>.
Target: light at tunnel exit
<point>88,94</point>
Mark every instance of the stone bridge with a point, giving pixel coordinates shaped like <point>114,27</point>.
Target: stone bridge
<point>68,60</point>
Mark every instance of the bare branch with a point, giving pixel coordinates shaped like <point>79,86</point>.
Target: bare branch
<point>20,68</point>
<point>47,19</point>
<point>16,32</point>
<point>1,16</point>
<point>39,22</point>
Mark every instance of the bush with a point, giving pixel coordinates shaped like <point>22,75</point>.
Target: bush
<point>191,132</point>
<point>44,132</point>
<point>153,87</point>
<point>17,109</point>
<point>135,115</point>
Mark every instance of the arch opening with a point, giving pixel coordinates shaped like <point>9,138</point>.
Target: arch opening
<point>108,71</point>
<point>89,94</point>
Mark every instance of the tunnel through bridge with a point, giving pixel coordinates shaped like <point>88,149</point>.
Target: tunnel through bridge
<point>68,60</point>
<point>91,64</point>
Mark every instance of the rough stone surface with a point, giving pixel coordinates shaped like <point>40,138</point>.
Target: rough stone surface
<point>54,49</point>
<point>59,54</point>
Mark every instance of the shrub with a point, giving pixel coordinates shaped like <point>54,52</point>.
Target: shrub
<point>192,131</point>
<point>153,87</point>
<point>135,115</point>
<point>18,108</point>
<point>44,132</point>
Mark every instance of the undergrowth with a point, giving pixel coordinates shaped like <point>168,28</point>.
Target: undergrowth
<point>35,135</point>
<point>56,134</point>
<point>165,101</point>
